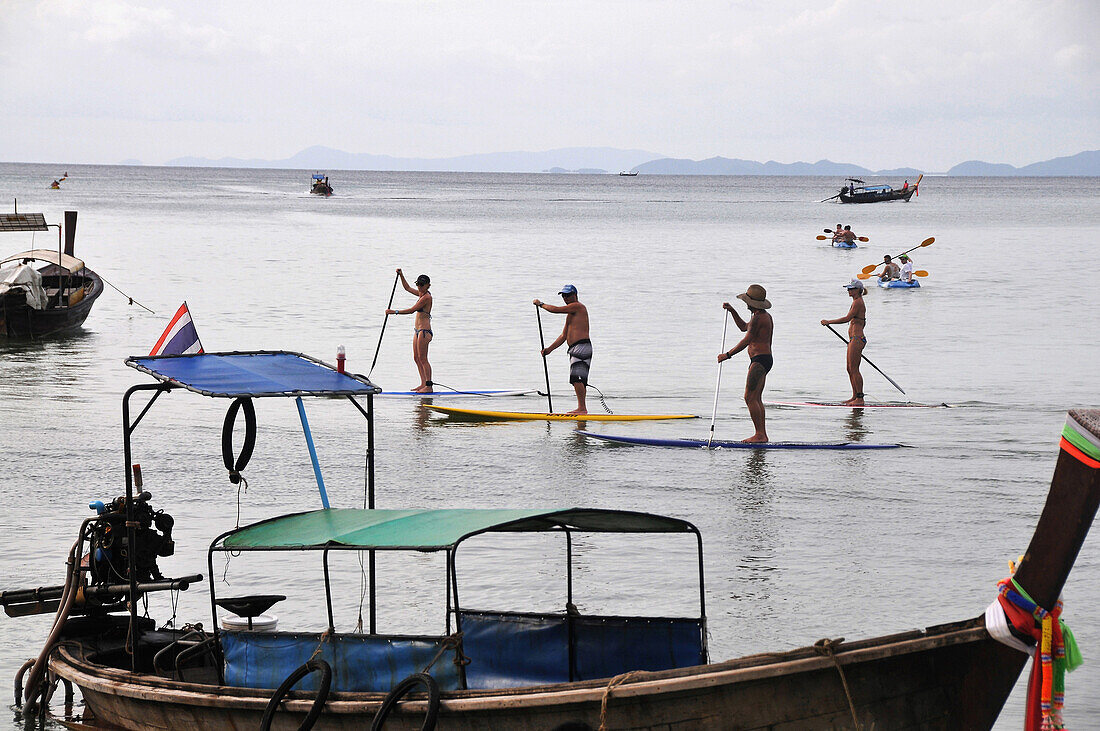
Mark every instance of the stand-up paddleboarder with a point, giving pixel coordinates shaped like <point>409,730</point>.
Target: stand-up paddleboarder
<point>575,333</point>
<point>857,341</point>
<point>758,341</point>
<point>422,327</point>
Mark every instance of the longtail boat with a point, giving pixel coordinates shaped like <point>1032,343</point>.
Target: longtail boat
<point>857,191</point>
<point>44,292</point>
<point>319,185</point>
<point>502,669</point>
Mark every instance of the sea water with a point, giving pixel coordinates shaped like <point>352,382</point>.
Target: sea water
<point>798,545</point>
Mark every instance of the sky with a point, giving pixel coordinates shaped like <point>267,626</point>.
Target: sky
<point>877,83</point>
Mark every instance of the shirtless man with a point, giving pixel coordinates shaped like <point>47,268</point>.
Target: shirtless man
<point>422,327</point>
<point>758,341</point>
<point>857,341</point>
<point>575,333</point>
<point>838,234</point>
<point>848,237</point>
<point>890,270</point>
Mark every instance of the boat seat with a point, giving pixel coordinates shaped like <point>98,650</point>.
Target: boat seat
<point>250,606</point>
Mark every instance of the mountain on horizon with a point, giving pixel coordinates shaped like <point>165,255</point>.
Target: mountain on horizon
<point>594,159</point>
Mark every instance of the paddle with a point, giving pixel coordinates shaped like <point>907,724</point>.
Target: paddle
<point>829,231</point>
<point>384,321</point>
<point>861,355</point>
<point>545,370</point>
<point>718,383</point>
<point>918,273</point>
<point>927,242</point>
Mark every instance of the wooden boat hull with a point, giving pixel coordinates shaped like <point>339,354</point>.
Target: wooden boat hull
<point>948,677</point>
<point>894,195</point>
<point>17,320</point>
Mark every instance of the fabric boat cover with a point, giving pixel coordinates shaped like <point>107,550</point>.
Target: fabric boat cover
<point>26,278</point>
<point>255,373</point>
<point>360,663</point>
<point>431,529</point>
<point>53,257</point>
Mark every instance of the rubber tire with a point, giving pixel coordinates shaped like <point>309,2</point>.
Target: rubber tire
<point>290,682</point>
<point>241,462</point>
<point>400,691</point>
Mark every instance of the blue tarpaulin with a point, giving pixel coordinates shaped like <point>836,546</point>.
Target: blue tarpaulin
<point>515,649</point>
<point>360,663</point>
<point>259,373</point>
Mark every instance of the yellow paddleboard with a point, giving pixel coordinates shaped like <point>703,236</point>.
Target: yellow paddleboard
<point>480,415</point>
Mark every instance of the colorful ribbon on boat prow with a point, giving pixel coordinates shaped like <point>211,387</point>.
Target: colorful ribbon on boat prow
<point>1080,442</point>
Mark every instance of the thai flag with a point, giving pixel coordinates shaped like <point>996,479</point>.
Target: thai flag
<point>179,338</point>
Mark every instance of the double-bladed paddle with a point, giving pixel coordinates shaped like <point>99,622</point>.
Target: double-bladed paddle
<point>927,242</point>
<point>918,273</point>
<point>823,238</point>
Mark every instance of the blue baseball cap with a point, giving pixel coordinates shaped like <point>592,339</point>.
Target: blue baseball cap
<point>568,289</point>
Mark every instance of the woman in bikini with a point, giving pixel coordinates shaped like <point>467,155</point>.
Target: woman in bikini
<point>422,327</point>
<point>857,341</point>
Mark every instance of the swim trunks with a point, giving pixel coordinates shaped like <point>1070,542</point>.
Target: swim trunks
<point>764,359</point>
<point>580,360</point>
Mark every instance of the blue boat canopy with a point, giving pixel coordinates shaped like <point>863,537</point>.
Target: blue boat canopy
<point>318,176</point>
<point>431,530</point>
<point>254,373</point>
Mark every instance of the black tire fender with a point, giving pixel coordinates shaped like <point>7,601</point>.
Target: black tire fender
<point>290,682</point>
<point>400,691</point>
<point>235,467</point>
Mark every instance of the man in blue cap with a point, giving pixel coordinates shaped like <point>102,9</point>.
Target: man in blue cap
<point>575,333</point>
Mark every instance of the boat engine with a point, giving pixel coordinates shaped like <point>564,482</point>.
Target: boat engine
<point>108,559</point>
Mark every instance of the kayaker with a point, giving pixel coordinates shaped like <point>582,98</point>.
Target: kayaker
<point>906,268</point>
<point>422,327</point>
<point>890,270</point>
<point>857,341</point>
<point>848,237</point>
<point>575,333</point>
<point>758,341</point>
<point>838,234</point>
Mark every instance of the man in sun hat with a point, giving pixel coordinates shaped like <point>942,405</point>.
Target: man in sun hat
<point>575,333</point>
<point>758,341</point>
<point>857,341</point>
<point>906,268</point>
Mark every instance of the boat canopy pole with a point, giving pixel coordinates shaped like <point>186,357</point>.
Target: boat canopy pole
<point>312,452</point>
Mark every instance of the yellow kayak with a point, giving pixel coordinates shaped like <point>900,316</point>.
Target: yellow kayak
<point>480,415</point>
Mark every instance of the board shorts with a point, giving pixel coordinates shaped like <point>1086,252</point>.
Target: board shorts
<point>580,360</point>
<point>764,359</point>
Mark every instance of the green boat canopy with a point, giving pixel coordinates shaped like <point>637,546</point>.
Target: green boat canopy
<point>430,530</point>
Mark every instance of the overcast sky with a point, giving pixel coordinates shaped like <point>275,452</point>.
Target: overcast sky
<point>881,83</point>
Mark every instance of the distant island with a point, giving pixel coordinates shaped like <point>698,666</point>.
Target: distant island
<point>600,160</point>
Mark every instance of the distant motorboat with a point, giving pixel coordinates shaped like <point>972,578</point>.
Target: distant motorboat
<point>320,185</point>
<point>629,174</point>
<point>857,191</point>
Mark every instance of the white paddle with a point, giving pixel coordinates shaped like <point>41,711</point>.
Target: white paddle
<point>718,385</point>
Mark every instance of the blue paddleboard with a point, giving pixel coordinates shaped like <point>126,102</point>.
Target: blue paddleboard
<point>721,444</point>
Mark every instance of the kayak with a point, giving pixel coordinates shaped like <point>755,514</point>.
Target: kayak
<point>454,394</point>
<point>898,284</point>
<point>722,444</point>
<point>480,415</point>
<point>839,405</point>
<point>845,245</point>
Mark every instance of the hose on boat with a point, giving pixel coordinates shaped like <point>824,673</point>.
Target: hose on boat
<point>318,703</point>
<point>400,691</point>
<point>235,466</point>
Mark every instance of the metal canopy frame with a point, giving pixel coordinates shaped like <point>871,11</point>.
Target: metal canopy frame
<point>166,385</point>
<point>452,598</point>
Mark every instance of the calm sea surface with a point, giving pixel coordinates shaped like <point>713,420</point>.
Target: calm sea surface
<point>799,545</point>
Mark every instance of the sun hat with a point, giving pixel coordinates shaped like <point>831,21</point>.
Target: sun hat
<point>568,289</point>
<point>755,296</point>
<point>854,284</point>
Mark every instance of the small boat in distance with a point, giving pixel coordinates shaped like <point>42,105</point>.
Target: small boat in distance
<point>629,174</point>
<point>320,185</point>
<point>43,292</point>
<point>857,191</point>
